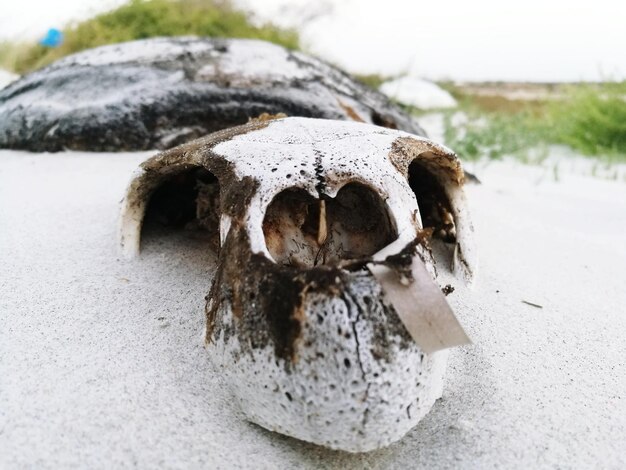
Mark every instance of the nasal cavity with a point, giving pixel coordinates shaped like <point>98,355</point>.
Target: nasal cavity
<point>304,231</point>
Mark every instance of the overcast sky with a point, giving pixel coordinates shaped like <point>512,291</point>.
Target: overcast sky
<point>538,40</point>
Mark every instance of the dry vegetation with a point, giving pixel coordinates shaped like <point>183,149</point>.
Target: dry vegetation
<point>139,19</point>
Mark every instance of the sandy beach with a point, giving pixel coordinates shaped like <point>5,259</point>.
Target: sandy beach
<point>102,362</point>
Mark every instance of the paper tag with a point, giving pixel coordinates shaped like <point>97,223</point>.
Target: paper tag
<point>420,304</point>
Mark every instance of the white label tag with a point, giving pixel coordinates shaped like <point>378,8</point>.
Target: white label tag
<point>420,304</point>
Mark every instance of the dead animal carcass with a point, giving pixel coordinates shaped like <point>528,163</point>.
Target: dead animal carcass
<point>161,92</point>
<point>326,316</point>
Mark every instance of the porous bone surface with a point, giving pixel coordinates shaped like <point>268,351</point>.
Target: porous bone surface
<point>359,382</point>
<point>356,381</point>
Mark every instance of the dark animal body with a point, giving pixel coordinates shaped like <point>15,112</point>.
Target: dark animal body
<point>161,92</point>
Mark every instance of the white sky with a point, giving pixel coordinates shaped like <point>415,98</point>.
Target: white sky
<point>538,40</point>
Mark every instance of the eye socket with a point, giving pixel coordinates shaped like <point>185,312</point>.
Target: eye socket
<point>188,200</point>
<point>304,231</point>
<point>434,204</point>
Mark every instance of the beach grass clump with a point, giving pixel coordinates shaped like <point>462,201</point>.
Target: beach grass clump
<point>493,135</point>
<point>373,80</point>
<point>588,118</point>
<point>591,119</point>
<point>140,19</point>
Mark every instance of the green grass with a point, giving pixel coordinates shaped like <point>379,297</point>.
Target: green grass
<point>591,119</point>
<point>139,19</point>
<point>494,135</point>
<point>373,80</point>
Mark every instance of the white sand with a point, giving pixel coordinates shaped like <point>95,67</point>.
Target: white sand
<point>102,365</point>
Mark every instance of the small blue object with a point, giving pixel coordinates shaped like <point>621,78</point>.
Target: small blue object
<point>53,38</point>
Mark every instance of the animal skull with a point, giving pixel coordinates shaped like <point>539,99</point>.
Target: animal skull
<point>300,330</point>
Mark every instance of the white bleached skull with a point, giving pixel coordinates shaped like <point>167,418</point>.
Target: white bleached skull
<point>297,325</point>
